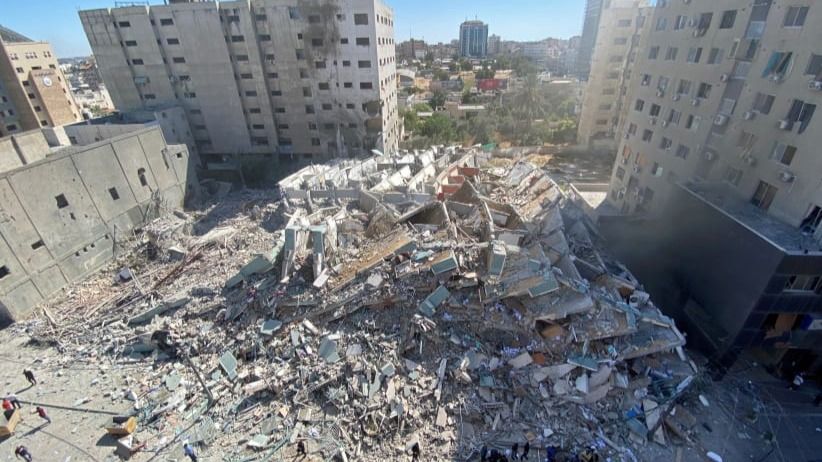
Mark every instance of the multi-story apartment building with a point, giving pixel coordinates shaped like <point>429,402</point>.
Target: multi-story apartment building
<point>590,28</point>
<point>718,164</point>
<point>473,39</point>
<point>307,79</point>
<point>33,91</point>
<point>494,44</point>
<point>622,24</point>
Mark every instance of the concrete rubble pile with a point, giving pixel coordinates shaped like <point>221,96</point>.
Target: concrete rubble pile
<point>428,298</point>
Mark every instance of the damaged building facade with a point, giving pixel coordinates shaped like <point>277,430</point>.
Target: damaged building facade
<point>302,80</point>
<point>64,208</point>
<point>720,137</point>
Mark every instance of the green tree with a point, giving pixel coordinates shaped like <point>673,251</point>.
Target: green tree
<point>437,99</point>
<point>528,104</point>
<point>440,74</point>
<point>423,107</point>
<point>467,97</point>
<point>429,57</point>
<point>410,120</point>
<point>485,73</point>
<point>439,129</point>
<point>466,65</point>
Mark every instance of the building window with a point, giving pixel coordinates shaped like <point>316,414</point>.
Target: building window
<point>258,127</point>
<point>279,110</point>
<point>665,144</point>
<point>653,53</point>
<point>261,17</point>
<point>646,80</point>
<point>315,141</point>
<point>189,95</point>
<point>681,22</point>
<point>733,176</point>
<point>323,86</point>
<point>173,41</point>
<point>624,23</point>
<point>804,283</point>
<point>327,106</point>
<point>363,41</point>
<point>661,23</point>
<point>167,22</point>
<point>763,103</point>
<point>349,105</point>
<point>714,56</point>
<point>632,129</point>
<point>801,112</point>
<point>704,91</point>
<point>149,96</point>
<point>241,58</point>
<point>178,60</point>
<point>670,54</point>
<point>363,64</point>
<point>684,88</point>
<point>264,37</point>
<point>309,109</point>
<point>348,85</point>
<point>811,221</point>
<point>114,194</point>
<point>366,85</point>
<point>620,173</point>
<point>764,195</point>
<point>674,117</point>
<point>246,76</point>
<point>655,109</point>
<point>778,65</point>
<point>783,153</point>
<point>303,73</point>
<point>815,66</point>
<point>294,13</point>
<point>273,75</point>
<point>316,42</point>
<point>20,69</point>
<point>307,92</point>
<point>137,62</point>
<point>276,93</point>
<point>343,41</point>
<point>647,136</point>
<point>694,55</point>
<point>795,16</point>
<point>237,38</point>
<point>251,93</point>
<point>728,19</point>
<point>360,19</point>
<point>319,64</point>
<point>254,110</point>
<point>639,105</point>
<point>300,53</point>
<point>62,202</point>
<point>123,24</point>
<point>682,151</point>
<point>131,43</point>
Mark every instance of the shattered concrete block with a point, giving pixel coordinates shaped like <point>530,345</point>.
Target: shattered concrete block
<point>581,383</point>
<point>229,364</point>
<point>522,360</point>
<point>328,350</point>
<point>428,306</point>
<point>442,417</point>
<point>599,377</point>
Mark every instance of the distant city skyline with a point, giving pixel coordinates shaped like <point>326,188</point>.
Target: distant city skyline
<point>434,21</point>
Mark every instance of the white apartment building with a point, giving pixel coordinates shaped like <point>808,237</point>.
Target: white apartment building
<point>622,24</point>
<point>300,79</point>
<point>726,92</point>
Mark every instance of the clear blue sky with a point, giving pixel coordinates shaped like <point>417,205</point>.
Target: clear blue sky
<point>56,21</point>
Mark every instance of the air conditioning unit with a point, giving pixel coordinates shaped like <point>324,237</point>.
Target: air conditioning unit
<point>750,160</point>
<point>815,85</point>
<point>720,120</point>
<point>637,169</point>
<point>724,77</point>
<point>676,97</point>
<point>664,123</point>
<point>749,115</point>
<point>653,120</point>
<point>710,155</point>
<point>785,124</point>
<point>660,93</point>
<point>787,176</point>
<point>695,102</point>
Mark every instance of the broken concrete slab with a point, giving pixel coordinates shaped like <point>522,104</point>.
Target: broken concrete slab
<point>229,364</point>
<point>328,350</point>
<point>521,360</point>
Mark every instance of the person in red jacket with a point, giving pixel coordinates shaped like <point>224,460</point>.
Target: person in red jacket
<point>42,413</point>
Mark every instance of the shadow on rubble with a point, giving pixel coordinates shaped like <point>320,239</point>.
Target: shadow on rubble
<point>225,205</point>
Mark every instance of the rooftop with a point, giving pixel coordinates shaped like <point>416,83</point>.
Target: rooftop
<point>778,233</point>
<point>8,35</point>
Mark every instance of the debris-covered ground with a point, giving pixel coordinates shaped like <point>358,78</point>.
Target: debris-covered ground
<point>433,299</point>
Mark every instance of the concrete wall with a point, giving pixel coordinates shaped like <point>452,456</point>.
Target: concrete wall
<point>61,217</point>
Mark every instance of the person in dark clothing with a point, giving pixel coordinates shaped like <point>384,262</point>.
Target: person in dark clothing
<point>30,376</point>
<point>415,452</point>
<point>525,450</point>
<point>21,451</point>
<point>515,451</point>
<point>42,413</point>
<point>484,454</point>
<point>301,448</point>
<point>189,451</point>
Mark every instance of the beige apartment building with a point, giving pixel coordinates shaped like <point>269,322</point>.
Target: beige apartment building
<point>33,91</point>
<point>300,79</point>
<point>622,24</point>
<point>726,91</point>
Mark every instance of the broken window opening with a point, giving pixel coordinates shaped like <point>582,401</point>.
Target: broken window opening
<point>113,193</point>
<point>62,202</point>
<point>141,172</point>
<point>37,245</point>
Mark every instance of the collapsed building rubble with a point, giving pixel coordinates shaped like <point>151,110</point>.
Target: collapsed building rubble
<point>426,298</point>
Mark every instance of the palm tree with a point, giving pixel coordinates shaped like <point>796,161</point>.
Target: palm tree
<point>529,104</point>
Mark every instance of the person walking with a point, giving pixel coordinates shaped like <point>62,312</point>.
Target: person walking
<point>21,451</point>
<point>525,451</point>
<point>189,452</point>
<point>415,452</point>
<point>30,376</point>
<point>42,413</point>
